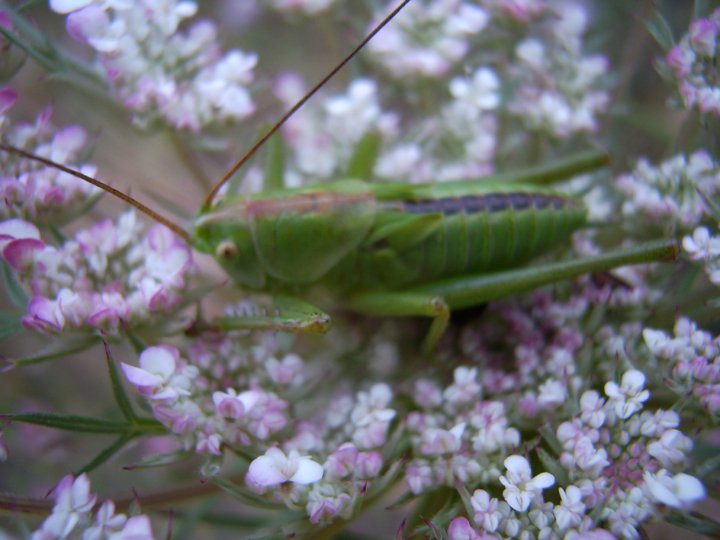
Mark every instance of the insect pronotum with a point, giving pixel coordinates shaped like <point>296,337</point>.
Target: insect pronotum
<point>391,249</point>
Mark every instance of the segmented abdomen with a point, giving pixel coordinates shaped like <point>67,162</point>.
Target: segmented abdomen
<point>474,233</point>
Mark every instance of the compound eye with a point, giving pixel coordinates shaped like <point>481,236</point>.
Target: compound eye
<point>226,250</point>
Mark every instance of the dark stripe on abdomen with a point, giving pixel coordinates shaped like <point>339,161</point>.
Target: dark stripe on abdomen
<point>492,202</point>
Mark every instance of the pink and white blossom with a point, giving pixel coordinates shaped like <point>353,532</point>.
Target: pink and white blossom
<point>275,468</point>
<point>678,491</point>
<point>520,487</point>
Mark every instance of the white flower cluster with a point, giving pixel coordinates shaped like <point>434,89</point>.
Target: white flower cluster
<point>104,279</point>
<point>521,11</point>
<point>160,73</point>
<point>205,413</point>
<point>73,516</point>
<point>237,394</point>
<point>307,7</point>
<point>618,454</point>
<point>704,247</point>
<point>621,464</point>
<point>693,358</point>
<point>694,63</point>
<point>467,124</point>
<point>32,191</point>
<point>558,89</point>
<point>670,190</point>
<point>456,435</point>
<point>349,433</point>
<point>323,139</point>
<point>323,136</point>
<point>428,37</point>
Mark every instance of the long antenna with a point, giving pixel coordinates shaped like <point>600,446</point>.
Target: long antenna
<point>177,229</point>
<point>239,163</point>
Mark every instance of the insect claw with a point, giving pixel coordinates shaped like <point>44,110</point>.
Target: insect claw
<point>315,325</point>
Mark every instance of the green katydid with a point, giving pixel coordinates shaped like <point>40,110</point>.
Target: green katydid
<point>402,249</point>
<point>391,249</point>
<point>396,249</point>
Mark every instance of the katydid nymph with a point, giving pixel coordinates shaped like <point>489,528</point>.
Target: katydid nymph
<point>391,249</point>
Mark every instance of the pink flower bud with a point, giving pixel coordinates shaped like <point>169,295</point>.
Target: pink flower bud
<point>43,315</point>
<point>703,37</point>
<point>341,462</point>
<point>20,254</point>
<point>368,465</point>
<point>8,96</point>
<point>228,405</point>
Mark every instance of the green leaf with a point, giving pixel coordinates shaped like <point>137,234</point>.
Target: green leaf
<point>57,349</point>
<point>693,521</point>
<point>712,206</point>
<point>404,499</point>
<point>708,459</point>
<point>553,467</point>
<point>700,9</point>
<point>382,484</point>
<point>136,342</point>
<point>15,292</point>
<point>551,439</point>
<point>436,532</point>
<point>105,454</point>
<point>545,173</point>
<point>28,4</point>
<point>70,422</point>
<point>660,30</point>
<point>365,156</point>
<point>121,397</point>
<point>160,460</point>
<point>252,523</point>
<point>244,495</point>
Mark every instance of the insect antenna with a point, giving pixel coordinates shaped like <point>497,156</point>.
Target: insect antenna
<point>177,229</point>
<point>292,110</point>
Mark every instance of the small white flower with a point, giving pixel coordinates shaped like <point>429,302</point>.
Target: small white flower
<point>135,528</point>
<point>571,510</point>
<point>275,468</point>
<point>701,245</point>
<point>290,371</point>
<point>520,487</point>
<point>657,341</point>
<point>152,378</point>
<point>233,405</point>
<point>671,448</point>
<point>479,93</point>
<point>628,398</point>
<point>552,393</point>
<point>67,6</point>
<point>436,441</point>
<point>106,522</point>
<point>487,514</point>
<point>591,406</point>
<point>678,491</point>
<point>460,529</point>
<point>465,387</point>
<point>73,502</point>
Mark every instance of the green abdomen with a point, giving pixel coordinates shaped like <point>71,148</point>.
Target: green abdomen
<point>471,233</point>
